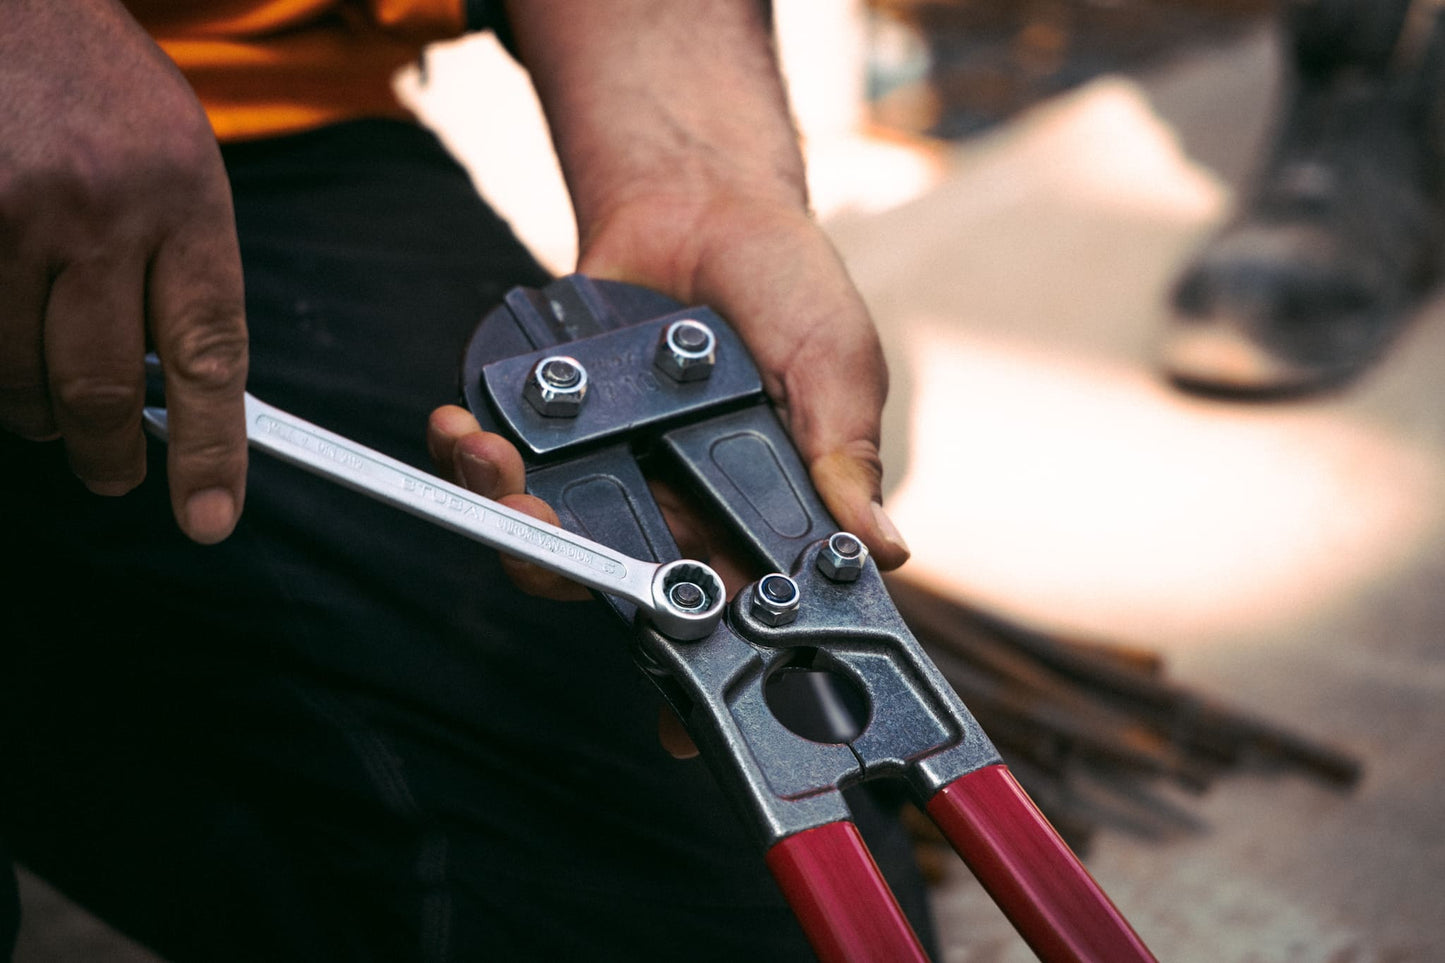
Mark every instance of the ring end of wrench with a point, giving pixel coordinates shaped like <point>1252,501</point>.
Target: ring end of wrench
<point>687,600</point>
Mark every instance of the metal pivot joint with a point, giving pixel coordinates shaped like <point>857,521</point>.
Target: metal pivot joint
<point>843,557</point>
<point>775,600</point>
<point>687,350</point>
<point>556,386</point>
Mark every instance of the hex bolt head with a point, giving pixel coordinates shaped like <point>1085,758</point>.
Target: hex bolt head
<point>687,600</point>
<point>775,600</point>
<point>556,386</point>
<point>687,596</point>
<point>842,558</point>
<point>687,350</point>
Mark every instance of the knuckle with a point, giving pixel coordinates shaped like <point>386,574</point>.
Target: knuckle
<point>869,459</point>
<point>99,185</point>
<point>207,456</point>
<point>98,404</point>
<point>211,354</point>
<point>183,167</point>
<point>86,182</point>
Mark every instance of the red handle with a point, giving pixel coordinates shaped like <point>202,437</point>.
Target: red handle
<point>1030,872</point>
<point>846,908</point>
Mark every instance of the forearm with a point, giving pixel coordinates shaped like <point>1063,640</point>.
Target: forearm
<point>675,101</point>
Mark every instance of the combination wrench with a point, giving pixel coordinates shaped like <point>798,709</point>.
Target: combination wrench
<point>683,599</point>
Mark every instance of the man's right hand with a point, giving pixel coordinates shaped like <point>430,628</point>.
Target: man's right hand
<point>116,230</point>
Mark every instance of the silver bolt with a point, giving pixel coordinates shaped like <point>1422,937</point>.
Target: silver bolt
<point>688,599</point>
<point>556,386</point>
<point>687,350</point>
<point>843,557</point>
<point>775,600</point>
<point>687,596</point>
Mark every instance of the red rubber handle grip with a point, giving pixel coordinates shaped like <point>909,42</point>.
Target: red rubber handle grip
<point>841,899</point>
<point>1030,872</point>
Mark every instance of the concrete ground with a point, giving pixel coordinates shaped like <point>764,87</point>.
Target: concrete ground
<point>1286,558</point>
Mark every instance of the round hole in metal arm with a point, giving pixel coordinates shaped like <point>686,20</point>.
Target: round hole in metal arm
<point>816,698</point>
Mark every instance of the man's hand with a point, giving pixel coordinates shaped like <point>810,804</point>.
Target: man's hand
<point>116,229</point>
<point>674,134</point>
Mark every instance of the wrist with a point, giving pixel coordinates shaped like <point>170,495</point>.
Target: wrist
<point>675,99</point>
<point>677,239</point>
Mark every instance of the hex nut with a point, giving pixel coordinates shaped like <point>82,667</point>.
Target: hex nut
<point>556,386</point>
<point>775,600</point>
<point>842,558</point>
<point>687,350</point>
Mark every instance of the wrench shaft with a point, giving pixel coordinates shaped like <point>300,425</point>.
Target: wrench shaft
<point>341,460</point>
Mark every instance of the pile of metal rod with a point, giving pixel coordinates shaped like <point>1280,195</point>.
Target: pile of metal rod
<point>1093,730</point>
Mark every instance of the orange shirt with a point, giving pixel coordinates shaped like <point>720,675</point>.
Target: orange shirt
<point>269,67</point>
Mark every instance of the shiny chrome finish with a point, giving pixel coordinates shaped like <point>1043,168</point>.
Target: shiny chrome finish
<point>776,600</point>
<point>687,350</point>
<point>556,386</point>
<point>843,557</point>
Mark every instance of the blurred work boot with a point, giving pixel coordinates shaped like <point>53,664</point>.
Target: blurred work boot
<point>1339,239</point>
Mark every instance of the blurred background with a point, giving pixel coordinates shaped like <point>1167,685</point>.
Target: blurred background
<point>1014,184</point>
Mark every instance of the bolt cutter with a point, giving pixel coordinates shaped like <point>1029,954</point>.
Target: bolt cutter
<point>674,386</point>
<point>590,379</point>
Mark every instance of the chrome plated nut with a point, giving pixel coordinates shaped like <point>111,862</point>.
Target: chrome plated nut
<point>687,350</point>
<point>843,557</point>
<point>775,600</point>
<point>556,386</point>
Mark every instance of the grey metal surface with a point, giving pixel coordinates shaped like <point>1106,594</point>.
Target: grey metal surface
<point>744,464</point>
<point>914,727</point>
<point>785,758</point>
<point>925,734</point>
<point>627,391</point>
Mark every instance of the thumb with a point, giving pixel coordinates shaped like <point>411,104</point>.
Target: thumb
<point>849,481</point>
<point>833,406</point>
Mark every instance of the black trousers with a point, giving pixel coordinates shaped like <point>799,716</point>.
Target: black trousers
<point>342,734</point>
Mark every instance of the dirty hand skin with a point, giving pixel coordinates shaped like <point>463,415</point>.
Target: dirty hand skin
<point>673,131</point>
<point>116,230</point>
